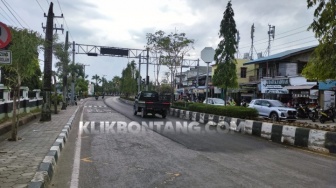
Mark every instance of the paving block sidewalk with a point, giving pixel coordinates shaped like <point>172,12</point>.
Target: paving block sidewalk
<point>20,160</point>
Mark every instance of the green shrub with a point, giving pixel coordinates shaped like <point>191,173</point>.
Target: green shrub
<point>58,97</point>
<point>130,99</point>
<point>230,111</point>
<point>181,104</point>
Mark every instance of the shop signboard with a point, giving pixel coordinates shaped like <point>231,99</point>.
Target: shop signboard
<point>275,86</point>
<point>329,99</point>
<point>313,94</point>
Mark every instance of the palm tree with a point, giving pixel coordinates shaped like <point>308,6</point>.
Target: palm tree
<point>96,78</point>
<point>116,83</point>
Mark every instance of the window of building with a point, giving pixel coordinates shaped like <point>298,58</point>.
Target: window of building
<point>300,66</point>
<point>243,72</point>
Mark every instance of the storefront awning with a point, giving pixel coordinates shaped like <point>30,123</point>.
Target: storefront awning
<point>299,87</point>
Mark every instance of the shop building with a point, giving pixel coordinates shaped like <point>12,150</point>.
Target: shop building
<point>279,77</point>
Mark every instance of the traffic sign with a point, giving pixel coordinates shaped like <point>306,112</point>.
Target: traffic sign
<point>5,35</point>
<point>5,57</point>
<point>207,54</point>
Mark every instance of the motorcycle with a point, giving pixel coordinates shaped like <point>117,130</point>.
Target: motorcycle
<point>304,112</point>
<point>315,113</point>
<point>327,115</point>
<point>96,97</point>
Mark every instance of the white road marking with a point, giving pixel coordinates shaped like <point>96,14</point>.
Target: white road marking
<point>76,164</point>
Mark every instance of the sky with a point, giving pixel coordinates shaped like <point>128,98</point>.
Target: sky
<point>125,23</point>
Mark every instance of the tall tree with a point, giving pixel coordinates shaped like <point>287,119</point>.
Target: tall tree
<point>128,81</point>
<point>24,47</point>
<point>62,54</point>
<point>225,74</point>
<point>96,78</point>
<point>154,45</point>
<point>116,81</point>
<point>322,63</point>
<point>172,47</point>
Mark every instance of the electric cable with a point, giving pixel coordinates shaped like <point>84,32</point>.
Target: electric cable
<point>16,13</point>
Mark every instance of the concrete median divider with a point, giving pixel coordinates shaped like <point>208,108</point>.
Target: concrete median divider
<point>312,139</point>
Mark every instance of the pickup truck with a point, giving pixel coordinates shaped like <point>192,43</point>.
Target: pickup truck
<point>149,102</point>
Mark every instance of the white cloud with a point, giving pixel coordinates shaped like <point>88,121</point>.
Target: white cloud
<point>125,23</point>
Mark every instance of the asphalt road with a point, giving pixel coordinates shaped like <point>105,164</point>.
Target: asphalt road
<point>175,153</point>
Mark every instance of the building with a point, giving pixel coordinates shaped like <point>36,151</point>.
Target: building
<point>279,77</point>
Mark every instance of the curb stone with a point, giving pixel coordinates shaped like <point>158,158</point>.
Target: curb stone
<point>46,169</point>
<point>312,139</point>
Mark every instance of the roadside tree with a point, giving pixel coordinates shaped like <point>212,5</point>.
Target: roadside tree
<point>25,47</point>
<point>61,53</point>
<point>225,74</point>
<point>322,63</point>
<point>172,48</point>
<point>128,79</point>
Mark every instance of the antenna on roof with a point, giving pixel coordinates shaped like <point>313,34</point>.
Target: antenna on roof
<point>271,33</point>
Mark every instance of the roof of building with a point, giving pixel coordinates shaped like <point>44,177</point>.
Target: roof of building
<point>282,55</point>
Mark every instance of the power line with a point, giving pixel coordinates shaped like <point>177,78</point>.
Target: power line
<point>40,6</point>
<point>64,20</point>
<point>299,44</point>
<point>12,14</point>
<point>60,6</point>
<point>294,41</point>
<point>3,15</point>
<point>16,13</point>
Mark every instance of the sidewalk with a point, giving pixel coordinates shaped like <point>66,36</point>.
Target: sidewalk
<point>20,161</point>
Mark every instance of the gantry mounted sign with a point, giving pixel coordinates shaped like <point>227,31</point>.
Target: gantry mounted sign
<point>5,35</point>
<point>5,38</point>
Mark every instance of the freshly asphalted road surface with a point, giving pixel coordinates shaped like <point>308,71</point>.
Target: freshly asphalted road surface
<point>178,155</point>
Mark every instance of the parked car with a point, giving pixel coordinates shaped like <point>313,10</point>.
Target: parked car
<point>273,109</point>
<point>215,101</point>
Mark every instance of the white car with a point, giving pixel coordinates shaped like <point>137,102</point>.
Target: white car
<point>215,101</point>
<point>273,109</point>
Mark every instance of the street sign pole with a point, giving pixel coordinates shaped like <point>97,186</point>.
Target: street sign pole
<point>206,82</point>
<point>5,38</point>
<point>207,55</point>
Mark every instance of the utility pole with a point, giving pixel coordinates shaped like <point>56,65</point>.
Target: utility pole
<point>139,79</point>
<point>84,65</point>
<point>197,78</point>
<point>46,112</point>
<point>65,73</point>
<point>147,77</point>
<point>72,99</point>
